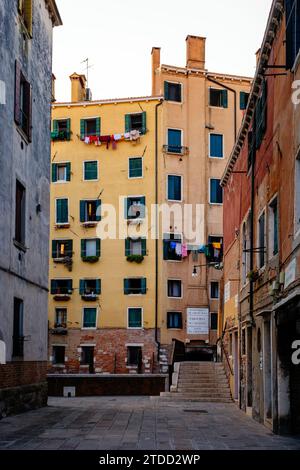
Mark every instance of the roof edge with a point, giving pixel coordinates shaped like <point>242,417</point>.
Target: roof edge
<point>55,15</point>
<point>108,101</point>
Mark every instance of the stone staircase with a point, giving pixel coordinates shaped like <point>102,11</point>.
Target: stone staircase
<point>199,381</point>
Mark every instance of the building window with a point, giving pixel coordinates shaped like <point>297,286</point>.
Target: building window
<point>135,286</point>
<point>61,172</point>
<point>20,214</point>
<point>59,355</point>
<point>62,211</point>
<point>87,357</point>
<point>25,10</point>
<point>172,247</point>
<point>174,288</point>
<point>214,290</point>
<point>134,356</point>
<point>136,122</point>
<point>136,246</point>
<point>89,317</point>
<point>62,286</point>
<point>90,171</point>
<point>18,333</point>
<point>273,228</point>
<point>175,141</point>
<point>174,320</point>
<point>62,249</point>
<point>61,129</point>
<point>214,249</point>
<point>261,239</point>
<point>23,103</point>
<point>216,192</point>
<point>90,287</point>
<point>214,321</point>
<point>135,317</point>
<point>90,249</point>
<point>292,31</point>
<point>136,167</point>
<point>90,211</point>
<point>135,207</point>
<point>218,98</point>
<point>216,146</point>
<point>61,318</point>
<point>244,98</point>
<point>173,92</point>
<point>174,188</point>
<point>90,128</point>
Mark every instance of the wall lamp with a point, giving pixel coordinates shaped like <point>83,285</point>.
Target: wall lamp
<point>218,266</point>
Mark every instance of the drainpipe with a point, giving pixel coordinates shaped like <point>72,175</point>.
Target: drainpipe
<point>234,95</point>
<point>156,229</point>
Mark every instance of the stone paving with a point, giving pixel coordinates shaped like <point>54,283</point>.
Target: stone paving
<point>129,423</point>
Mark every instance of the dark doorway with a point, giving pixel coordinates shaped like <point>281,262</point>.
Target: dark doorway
<point>199,353</point>
<point>87,358</point>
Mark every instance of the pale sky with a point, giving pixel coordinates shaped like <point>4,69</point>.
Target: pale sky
<point>117,36</point>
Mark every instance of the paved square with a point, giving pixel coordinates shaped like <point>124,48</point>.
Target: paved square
<point>129,423</point>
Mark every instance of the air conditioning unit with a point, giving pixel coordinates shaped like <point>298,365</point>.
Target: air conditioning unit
<point>88,94</point>
<point>135,221</point>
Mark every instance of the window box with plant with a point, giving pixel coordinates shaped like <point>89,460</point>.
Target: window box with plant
<point>90,289</point>
<point>61,130</point>
<point>135,249</point>
<point>253,275</point>
<point>62,289</point>
<point>90,250</point>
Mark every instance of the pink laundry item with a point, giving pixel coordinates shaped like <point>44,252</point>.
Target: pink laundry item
<point>184,251</point>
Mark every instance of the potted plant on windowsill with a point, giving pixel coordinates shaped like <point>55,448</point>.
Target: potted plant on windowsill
<point>90,259</point>
<point>253,275</point>
<point>135,258</point>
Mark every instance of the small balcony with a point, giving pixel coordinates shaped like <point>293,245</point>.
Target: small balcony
<point>60,136</point>
<point>62,294</point>
<point>175,150</point>
<point>60,329</point>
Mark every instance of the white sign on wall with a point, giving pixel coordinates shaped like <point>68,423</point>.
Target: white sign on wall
<point>197,321</point>
<point>290,273</point>
<point>2,92</point>
<point>227,292</point>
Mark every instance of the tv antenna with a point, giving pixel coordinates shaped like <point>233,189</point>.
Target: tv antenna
<point>88,67</point>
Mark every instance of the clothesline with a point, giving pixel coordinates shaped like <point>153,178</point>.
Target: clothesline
<point>132,136</point>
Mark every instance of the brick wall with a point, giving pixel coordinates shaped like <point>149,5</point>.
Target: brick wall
<point>14,374</point>
<point>110,350</point>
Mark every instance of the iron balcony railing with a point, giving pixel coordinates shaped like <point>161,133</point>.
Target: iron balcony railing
<point>176,150</point>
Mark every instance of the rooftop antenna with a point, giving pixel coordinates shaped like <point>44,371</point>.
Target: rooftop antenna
<point>88,67</point>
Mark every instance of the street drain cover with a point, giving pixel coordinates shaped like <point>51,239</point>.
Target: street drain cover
<point>196,411</point>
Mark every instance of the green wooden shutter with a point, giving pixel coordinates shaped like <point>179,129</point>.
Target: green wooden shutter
<point>69,248</point>
<point>68,171</point>
<point>166,249</point>
<point>54,245</point>
<point>82,211</point>
<point>166,86</point>
<point>55,126</point>
<point>82,129</point>
<point>144,121</point>
<point>54,172</point>
<point>127,247</point>
<point>127,122</point>
<point>98,286</point>
<point>143,209</point>
<point>98,247</point>
<point>98,210</point>
<point>225,98</point>
<point>144,285</point>
<point>243,100</point>
<point>64,210</point>
<point>70,285</point>
<point>68,129</point>
<point>98,126</point>
<point>53,286</point>
<point>126,286</point>
<point>81,287</point>
<point>127,204</point>
<point>83,248</point>
<point>144,247</point>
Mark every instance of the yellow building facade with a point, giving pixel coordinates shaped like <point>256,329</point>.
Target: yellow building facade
<point>103,292</point>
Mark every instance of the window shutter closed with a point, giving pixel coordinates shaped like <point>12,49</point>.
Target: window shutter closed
<point>82,211</point>
<point>28,94</point>
<point>98,126</point>
<point>127,247</point>
<point>82,129</point>
<point>53,286</point>
<point>68,129</point>
<point>144,247</point>
<point>81,287</point>
<point>98,210</point>
<point>144,285</point>
<point>28,15</point>
<point>98,247</point>
<point>17,93</point>
<point>143,207</point>
<point>83,248</point>
<point>70,285</point>
<point>127,123</point>
<point>54,172</point>
<point>166,91</point>
<point>55,126</point>
<point>98,286</point>
<point>62,211</point>
<point>126,286</point>
<point>69,248</point>
<point>225,98</point>
<point>54,245</point>
<point>127,204</point>
<point>144,120</point>
<point>68,171</point>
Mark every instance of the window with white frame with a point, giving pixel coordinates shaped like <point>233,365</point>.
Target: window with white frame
<point>174,288</point>
<point>174,188</point>
<point>89,318</point>
<point>135,317</point>
<point>214,290</point>
<point>216,191</point>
